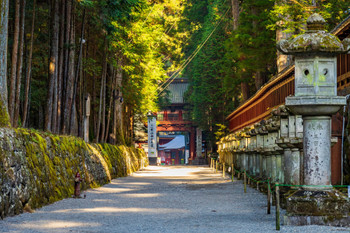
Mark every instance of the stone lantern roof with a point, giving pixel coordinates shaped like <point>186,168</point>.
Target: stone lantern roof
<point>315,40</point>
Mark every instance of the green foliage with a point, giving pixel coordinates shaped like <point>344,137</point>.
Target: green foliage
<point>244,55</point>
<point>221,132</point>
<point>146,42</point>
<point>212,81</point>
<point>291,16</point>
<point>253,45</point>
<point>144,38</point>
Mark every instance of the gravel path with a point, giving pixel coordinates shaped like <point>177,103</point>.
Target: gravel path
<point>160,199</point>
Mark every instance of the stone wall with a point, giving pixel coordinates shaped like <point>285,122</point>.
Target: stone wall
<point>4,117</point>
<point>39,168</point>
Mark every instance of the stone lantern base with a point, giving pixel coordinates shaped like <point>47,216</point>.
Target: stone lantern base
<point>307,207</point>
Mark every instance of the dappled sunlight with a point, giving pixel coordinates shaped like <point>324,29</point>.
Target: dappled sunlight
<point>200,182</point>
<point>103,200</point>
<point>54,224</point>
<point>141,195</point>
<point>171,172</point>
<point>131,183</point>
<point>109,210</point>
<point>112,190</point>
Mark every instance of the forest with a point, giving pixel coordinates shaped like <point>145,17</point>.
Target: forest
<point>57,53</point>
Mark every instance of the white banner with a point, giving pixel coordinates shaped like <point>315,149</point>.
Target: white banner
<point>152,136</point>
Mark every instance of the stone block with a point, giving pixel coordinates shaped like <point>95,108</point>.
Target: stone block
<point>317,207</point>
<point>291,126</point>
<point>284,128</point>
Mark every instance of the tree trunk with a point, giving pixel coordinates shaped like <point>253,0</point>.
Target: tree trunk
<point>29,70</point>
<point>19,65</point>
<point>14,63</point>
<point>118,107</point>
<point>259,80</point>
<point>235,13</point>
<point>111,98</point>
<point>60,69</point>
<point>69,85</point>
<point>103,78</point>
<point>4,117</point>
<point>93,107</point>
<point>68,66</point>
<point>131,131</point>
<point>51,107</point>
<point>245,91</point>
<point>103,124</point>
<point>76,78</point>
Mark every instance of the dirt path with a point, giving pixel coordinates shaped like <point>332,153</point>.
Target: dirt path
<point>159,199</point>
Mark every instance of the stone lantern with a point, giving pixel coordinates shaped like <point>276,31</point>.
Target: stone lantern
<point>316,100</point>
<point>315,94</point>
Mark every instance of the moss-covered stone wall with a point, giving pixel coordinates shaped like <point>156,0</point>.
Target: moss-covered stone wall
<point>39,168</point>
<point>4,117</point>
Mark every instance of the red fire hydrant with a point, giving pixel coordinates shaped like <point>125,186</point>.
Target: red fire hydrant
<point>77,182</point>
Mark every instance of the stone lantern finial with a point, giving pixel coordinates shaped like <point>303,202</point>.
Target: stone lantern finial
<point>315,23</point>
<point>315,41</point>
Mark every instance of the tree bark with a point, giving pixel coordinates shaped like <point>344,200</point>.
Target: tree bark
<point>111,98</point>
<point>245,91</point>
<point>103,78</point>
<point>29,70</point>
<point>13,78</point>
<point>60,69</point>
<point>93,106</point>
<point>118,111</point>
<point>4,117</point>
<point>103,124</point>
<point>259,80</point>
<point>19,65</point>
<point>76,78</point>
<point>51,107</point>
<point>68,53</point>
<point>235,13</point>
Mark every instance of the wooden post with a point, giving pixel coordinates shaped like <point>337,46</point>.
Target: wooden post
<point>86,118</point>
<point>245,181</point>
<point>268,198</point>
<point>248,180</point>
<point>239,175</point>
<point>257,185</point>
<point>223,170</point>
<point>233,172</point>
<point>217,164</point>
<point>277,208</point>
